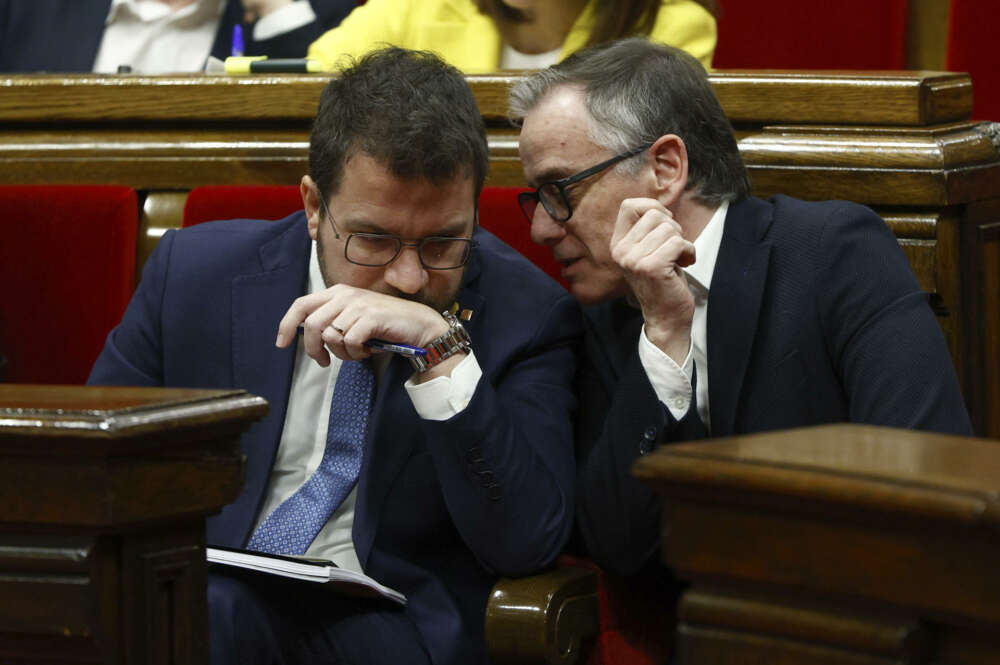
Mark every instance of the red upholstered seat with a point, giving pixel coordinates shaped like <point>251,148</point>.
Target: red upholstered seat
<point>212,202</point>
<point>498,213</point>
<point>972,48</point>
<point>67,266</point>
<point>791,34</point>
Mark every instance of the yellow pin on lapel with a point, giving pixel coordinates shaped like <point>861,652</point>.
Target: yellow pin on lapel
<point>465,315</point>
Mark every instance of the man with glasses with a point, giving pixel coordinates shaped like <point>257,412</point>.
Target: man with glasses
<point>708,312</point>
<point>434,470</point>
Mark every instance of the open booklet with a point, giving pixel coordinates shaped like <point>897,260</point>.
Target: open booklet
<point>322,571</point>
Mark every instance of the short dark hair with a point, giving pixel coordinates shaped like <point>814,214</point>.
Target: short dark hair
<point>407,109</point>
<point>637,91</point>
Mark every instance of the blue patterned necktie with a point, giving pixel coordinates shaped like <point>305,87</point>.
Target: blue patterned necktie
<point>292,526</point>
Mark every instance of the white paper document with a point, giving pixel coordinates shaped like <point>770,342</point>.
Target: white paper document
<point>320,571</point>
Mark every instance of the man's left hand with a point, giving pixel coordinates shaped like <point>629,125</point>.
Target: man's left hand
<point>649,247</point>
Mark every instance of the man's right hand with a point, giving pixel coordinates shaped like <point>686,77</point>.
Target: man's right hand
<point>648,246</point>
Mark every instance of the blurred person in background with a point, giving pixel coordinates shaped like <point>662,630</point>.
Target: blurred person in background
<point>155,36</point>
<point>482,36</point>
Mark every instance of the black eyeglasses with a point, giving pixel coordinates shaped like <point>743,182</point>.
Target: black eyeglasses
<point>380,249</point>
<point>552,195</point>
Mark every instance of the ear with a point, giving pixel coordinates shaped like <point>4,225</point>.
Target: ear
<point>670,168</point>
<point>310,201</point>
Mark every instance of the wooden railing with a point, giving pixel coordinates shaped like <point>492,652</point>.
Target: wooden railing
<point>900,142</point>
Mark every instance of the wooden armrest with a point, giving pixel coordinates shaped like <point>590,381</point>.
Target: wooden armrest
<point>546,618</point>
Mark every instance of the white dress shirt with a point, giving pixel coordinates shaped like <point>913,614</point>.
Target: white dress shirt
<point>671,382</point>
<point>152,38</point>
<point>303,437</point>
<point>510,58</point>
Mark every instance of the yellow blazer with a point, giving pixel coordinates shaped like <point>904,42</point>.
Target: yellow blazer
<point>456,31</point>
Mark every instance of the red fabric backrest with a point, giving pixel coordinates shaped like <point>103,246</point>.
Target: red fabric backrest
<point>67,271</point>
<point>972,47</point>
<point>212,202</point>
<point>791,34</point>
<point>498,213</point>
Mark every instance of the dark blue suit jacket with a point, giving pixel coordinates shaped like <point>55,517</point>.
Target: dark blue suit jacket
<point>814,316</point>
<point>443,508</point>
<point>64,35</point>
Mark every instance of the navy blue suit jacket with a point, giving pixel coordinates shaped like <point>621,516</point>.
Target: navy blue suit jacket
<point>443,508</point>
<point>65,35</point>
<point>814,316</point>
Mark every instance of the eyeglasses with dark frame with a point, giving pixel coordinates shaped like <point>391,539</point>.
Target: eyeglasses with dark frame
<point>375,250</point>
<point>552,195</point>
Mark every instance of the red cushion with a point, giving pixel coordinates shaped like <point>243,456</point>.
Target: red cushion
<point>67,271</point>
<point>498,213</point>
<point>972,48</point>
<point>212,202</point>
<point>791,34</point>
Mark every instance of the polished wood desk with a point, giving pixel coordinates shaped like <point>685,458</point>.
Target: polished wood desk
<point>900,142</point>
<point>104,494</point>
<point>833,545</point>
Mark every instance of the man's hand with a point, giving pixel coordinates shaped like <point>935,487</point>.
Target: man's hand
<point>648,246</point>
<point>255,9</point>
<point>342,318</point>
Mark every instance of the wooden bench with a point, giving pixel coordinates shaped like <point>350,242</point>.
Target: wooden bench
<point>900,142</point>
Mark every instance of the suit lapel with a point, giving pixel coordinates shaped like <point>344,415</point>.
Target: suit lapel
<point>389,442</point>
<point>394,429</point>
<point>734,307</point>
<point>613,334</point>
<point>259,302</point>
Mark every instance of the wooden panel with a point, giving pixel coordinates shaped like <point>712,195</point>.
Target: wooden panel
<point>722,628</point>
<point>102,539</point>
<point>920,167</point>
<point>927,34</point>
<point>896,472</point>
<point>161,211</point>
<point>755,97</point>
<point>878,98</point>
<point>833,544</point>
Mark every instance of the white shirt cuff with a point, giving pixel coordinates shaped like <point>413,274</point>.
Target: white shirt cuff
<point>671,382</point>
<point>446,396</point>
<point>283,20</point>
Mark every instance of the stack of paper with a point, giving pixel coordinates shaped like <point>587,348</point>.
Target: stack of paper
<point>322,571</point>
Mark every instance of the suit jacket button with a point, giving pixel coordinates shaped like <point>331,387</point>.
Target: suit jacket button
<point>648,440</point>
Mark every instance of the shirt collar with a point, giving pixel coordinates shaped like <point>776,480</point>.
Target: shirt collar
<point>151,11</point>
<point>706,249</point>
<point>316,282</point>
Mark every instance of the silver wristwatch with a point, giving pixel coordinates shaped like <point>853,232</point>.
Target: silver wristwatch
<point>454,341</point>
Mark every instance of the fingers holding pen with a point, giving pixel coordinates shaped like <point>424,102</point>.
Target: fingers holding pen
<point>310,315</point>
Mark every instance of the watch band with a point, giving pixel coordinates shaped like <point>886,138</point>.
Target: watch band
<point>456,340</point>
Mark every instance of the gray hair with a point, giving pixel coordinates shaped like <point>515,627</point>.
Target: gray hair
<point>637,91</point>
